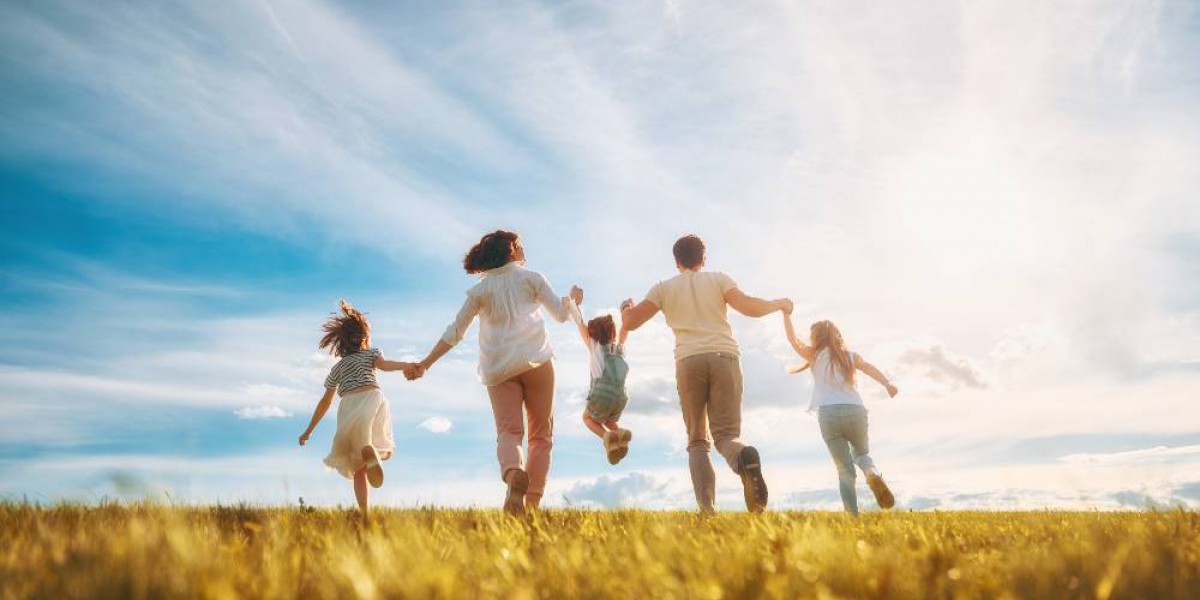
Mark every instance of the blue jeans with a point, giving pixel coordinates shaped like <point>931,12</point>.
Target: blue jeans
<point>844,428</point>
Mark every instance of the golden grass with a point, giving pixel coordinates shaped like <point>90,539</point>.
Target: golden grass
<point>152,551</point>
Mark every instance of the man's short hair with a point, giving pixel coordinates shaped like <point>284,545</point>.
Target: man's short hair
<point>689,251</point>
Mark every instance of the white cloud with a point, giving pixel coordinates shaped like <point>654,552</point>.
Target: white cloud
<point>609,491</point>
<point>1157,453</point>
<point>935,363</point>
<point>261,412</point>
<point>437,424</point>
<point>303,141</point>
<point>267,393</point>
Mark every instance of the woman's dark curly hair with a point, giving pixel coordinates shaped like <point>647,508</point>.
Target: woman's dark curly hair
<point>602,329</point>
<point>494,250</point>
<point>346,333</point>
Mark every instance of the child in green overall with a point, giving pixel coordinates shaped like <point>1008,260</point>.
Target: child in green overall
<point>606,396</point>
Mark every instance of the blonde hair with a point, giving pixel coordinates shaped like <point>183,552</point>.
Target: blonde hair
<point>826,336</point>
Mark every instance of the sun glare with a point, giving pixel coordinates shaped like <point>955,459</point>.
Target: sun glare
<point>965,210</point>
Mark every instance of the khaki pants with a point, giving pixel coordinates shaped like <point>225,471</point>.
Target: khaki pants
<point>710,395</point>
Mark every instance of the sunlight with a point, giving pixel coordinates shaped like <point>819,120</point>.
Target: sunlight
<point>965,210</point>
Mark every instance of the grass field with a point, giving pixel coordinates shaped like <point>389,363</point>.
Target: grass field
<point>150,551</point>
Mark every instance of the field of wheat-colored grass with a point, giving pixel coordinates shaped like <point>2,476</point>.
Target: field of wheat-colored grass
<point>153,551</point>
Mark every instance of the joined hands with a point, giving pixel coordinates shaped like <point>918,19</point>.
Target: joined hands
<point>414,371</point>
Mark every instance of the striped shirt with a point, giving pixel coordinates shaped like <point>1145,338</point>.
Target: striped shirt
<point>354,370</point>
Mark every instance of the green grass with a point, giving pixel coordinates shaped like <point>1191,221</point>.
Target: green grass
<point>151,551</point>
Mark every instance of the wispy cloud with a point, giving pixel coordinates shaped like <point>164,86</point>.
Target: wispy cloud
<point>1157,453</point>
<point>608,491</point>
<point>935,363</point>
<point>261,412</point>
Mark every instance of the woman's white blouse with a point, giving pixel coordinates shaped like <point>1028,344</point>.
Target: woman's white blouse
<point>512,336</point>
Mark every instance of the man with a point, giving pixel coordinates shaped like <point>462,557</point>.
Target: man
<point>708,371</point>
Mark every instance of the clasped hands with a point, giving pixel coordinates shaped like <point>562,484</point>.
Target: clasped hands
<point>414,371</point>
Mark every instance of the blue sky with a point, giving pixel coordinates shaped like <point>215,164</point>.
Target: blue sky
<point>995,201</point>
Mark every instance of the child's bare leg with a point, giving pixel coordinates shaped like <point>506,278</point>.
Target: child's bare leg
<point>593,425</point>
<point>361,492</point>
<point>611,425</point>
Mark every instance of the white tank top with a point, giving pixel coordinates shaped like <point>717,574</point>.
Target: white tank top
<point>829,386</point>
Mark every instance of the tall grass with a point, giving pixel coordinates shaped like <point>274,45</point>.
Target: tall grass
<point>151,551</point>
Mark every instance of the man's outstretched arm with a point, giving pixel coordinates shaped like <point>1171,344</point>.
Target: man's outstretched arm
<point>635,316</point>
<point>754,307</point>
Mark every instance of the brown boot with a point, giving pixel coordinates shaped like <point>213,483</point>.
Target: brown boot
<point>514,499</point>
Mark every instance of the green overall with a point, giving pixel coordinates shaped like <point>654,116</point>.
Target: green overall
<point>607,397</point>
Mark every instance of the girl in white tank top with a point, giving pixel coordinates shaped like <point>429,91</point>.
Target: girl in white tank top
<point>841,413</point>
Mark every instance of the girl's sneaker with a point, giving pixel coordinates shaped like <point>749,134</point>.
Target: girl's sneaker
<point>612,447</point>
<point>374,468</point>
<point>514,499</point>
<point>883,495</point>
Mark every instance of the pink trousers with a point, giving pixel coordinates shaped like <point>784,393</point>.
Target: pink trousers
<point>526,398</point>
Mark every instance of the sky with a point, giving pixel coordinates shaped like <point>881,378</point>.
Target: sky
<point>994,200</point>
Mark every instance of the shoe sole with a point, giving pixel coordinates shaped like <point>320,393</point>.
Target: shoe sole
<point>374,468</point>
<point>612,447</point>
<point>883,495</point>
<point>514,499</point>
<point>622,449</point>
<point>754,487</point>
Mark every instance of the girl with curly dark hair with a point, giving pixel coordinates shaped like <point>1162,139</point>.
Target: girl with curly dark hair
<point>364,420</point>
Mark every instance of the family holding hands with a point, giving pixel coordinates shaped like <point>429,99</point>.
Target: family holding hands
<point>516,365</point>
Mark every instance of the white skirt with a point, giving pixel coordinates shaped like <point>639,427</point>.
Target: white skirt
<point>363,419</point>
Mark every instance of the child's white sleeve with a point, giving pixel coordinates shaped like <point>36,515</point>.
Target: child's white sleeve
<point>576,315</point>
<point>595,359</point>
